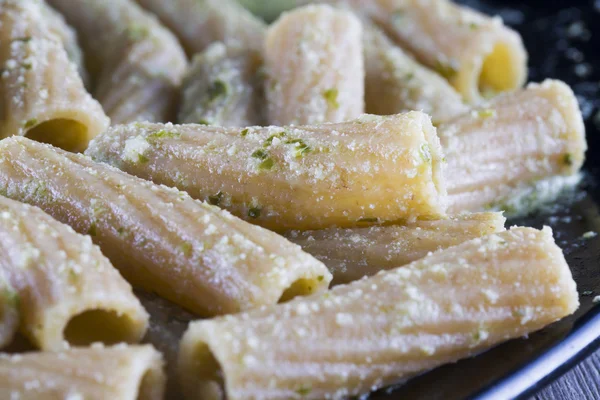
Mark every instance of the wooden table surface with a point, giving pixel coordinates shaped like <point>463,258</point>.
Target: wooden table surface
<point>581,383</point>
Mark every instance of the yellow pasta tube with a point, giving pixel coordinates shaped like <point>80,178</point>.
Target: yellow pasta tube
<point>315,67</point>
<point>223,87</point>
<point>308,177</point>
<point>119,373</point>
<point>189,252</point>
<point>496,151</point>
<point>199,23</point>
<point>68,292</point>
<point>374,332</point>
<point>351,254</point>
<point>395,82</point>
<point>135,62</point>
<point>477,54</point>
<point>41,93</point>
<point>9,308</point>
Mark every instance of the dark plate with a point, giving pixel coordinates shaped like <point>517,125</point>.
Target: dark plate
<point>563,42</point>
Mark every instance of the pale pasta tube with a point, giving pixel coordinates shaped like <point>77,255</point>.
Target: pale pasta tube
<point>189,252</point>
<point>374,332</point>
<point>223,87</point>
<point>497,150</point>
<point>68,36</point>
<point>315,67</point>
<point>309,177</point>
<point>395,82</point>
<point>135,62</point>
<point>199,23</point>
<point>68,292</point>
<point>42,95</point>
<point>97,373</point>
<point>476,53</point>
<point>9,308</point>
<point>351,254</point>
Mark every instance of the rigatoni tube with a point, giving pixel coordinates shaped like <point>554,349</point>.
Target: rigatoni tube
<point>43,96</point>
<point>297,177</point>
<point>96,373</point>
<point>135,62</point>
<point>199,23</point>
<point>371,333</point>
<point>161,240</point>
<point>315,67</point>
<point>224,87</point>
<point>68,292</point>
<point>395,82</point>
<point>351,254</point>
<point>506,145</point>
<point>477,54</point>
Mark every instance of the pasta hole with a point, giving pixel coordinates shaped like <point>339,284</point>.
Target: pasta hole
<point>499,71</point>
<point>67,134</point>
<point>209,373</point>
<point>103,326</point>
<point>151,385</point>
<point>301,287</point>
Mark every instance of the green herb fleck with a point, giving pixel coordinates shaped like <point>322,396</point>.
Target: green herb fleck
<point>93,230</point>
<point>486,113</point>
<point>589,235</point>
<point>300,147</point>
<point>266,165</point>
<point>568,159</point>
<point>331,96</point>
<point>203,121</point>
<point>304,390</point>
<point>163,134</point>
<point>587,293</point>
<point>369,220</point>
<point>409,76</point>
<point>320,278</point>
<point>122,232</point>
<point>186,248</point>
<point>215,200</point>
<point>137,32</point>
<point>254,212</point>
<point>27,66</point>
<point>473,26</point>
<point>425,152</point>
<point>24,39</point>
<point>30,123</point>
<point>445,69</point>
<point>73,276</point>
<point>143,159</point>
<point>12,298</point>
<point>244,132</point>
<point>269,140</point>
<point>260,154</point>
<point>217,89</point>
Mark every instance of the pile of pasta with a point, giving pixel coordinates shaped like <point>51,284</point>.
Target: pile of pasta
<point>321,196</point>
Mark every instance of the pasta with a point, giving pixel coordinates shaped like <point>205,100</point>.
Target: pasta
<point>315,67</point>
<point>9,310</point>
<point>199,23</point>
<point>309,177</point>
<point>41,93</point>
<point>67,290</point>
<point>477,54</point>
<point>119,372</point>
<point>223,87</point>
<point>351,254</point>
<point>161,240</point>
<point>136,64</point>
<point>504,146</point>
<point>373,332</point>
<point>396,83</point>
<point>68,36</point>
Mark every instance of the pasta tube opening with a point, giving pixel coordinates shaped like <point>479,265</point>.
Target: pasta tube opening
<point>208,372</point>
<point>98,325</point>
<point>152,384</point>
<point>301,287</point>
<point>68,134</point>
<point>500,70</point>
